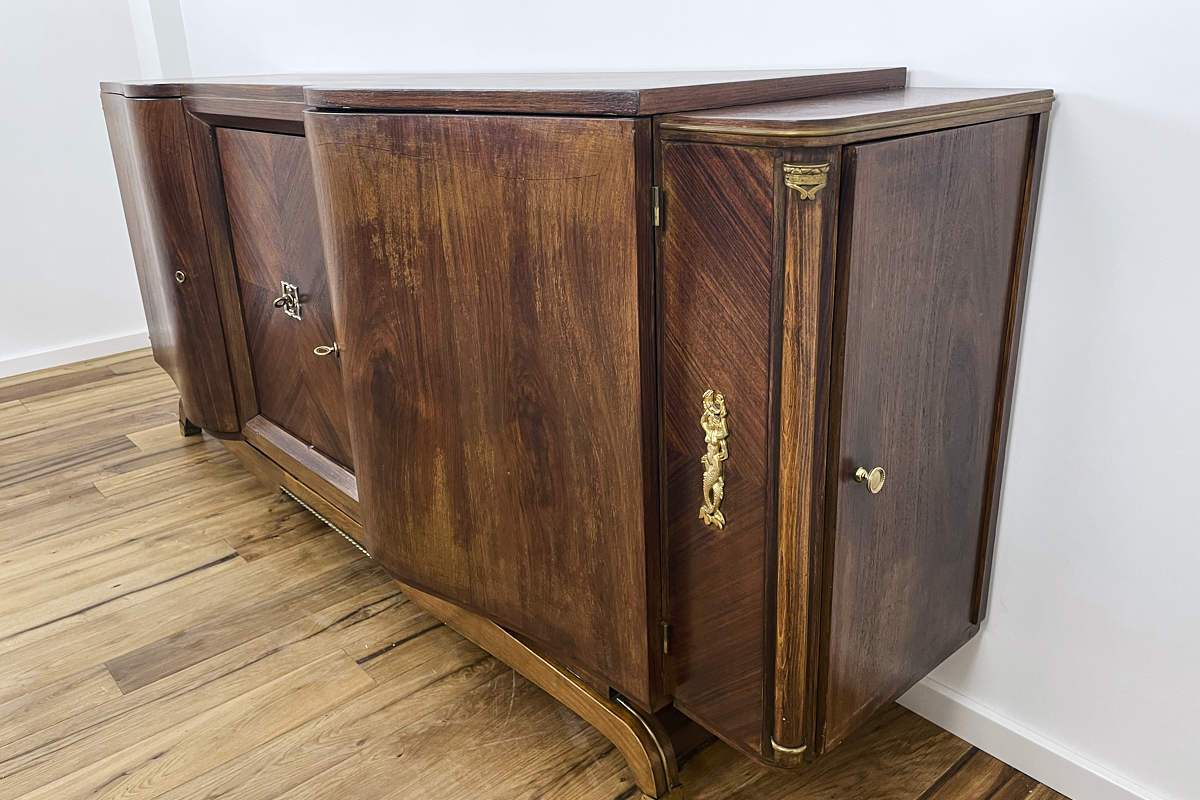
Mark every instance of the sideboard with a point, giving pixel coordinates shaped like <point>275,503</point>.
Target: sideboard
<point>686,394</point>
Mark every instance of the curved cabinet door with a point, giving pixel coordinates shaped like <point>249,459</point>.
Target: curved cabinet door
<point>162,209</point>
<point>491,277</point>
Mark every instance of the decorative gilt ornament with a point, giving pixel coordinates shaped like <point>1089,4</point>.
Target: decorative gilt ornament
<point>807,179</point>
<point>716,431</point>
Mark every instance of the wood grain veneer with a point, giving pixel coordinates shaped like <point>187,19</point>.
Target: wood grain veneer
<point>162,209</point>
<point>491,302</point>
<point>276,237</point>
<point>925,293</point>
<point>527,327</point>
<point>717,284</point>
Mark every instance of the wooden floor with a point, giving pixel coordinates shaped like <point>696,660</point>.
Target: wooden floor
<point>170,628</point>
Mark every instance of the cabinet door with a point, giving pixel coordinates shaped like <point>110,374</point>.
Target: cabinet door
<point>927,264</point>
<point>491,282</point>
<point>277,240</point>
<point>149,141</point>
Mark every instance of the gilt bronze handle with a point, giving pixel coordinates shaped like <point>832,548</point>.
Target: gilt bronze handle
<point>716,431</point>
<point>324,350</point>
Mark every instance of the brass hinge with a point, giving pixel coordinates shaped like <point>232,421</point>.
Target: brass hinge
<point>665,628</point>
<point>656,205</point>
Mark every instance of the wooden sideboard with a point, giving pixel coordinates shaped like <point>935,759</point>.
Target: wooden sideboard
<point>684,393</point>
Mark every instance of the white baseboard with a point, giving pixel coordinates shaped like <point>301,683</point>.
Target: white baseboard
<point>32,362</point>
<point>1062,770</point>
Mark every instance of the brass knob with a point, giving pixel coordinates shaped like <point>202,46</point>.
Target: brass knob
<point>179,276</point>
<point>873,479</point>
<point>324,351</point>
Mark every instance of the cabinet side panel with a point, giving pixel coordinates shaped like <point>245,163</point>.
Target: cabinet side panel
<point>150,146</point>
<point>928,254</point>
<point>486,275</point>
<point>717,270</point>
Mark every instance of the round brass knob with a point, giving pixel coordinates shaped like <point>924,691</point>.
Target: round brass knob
<point>324,351</point>
<point>873,479</point>
<point>179,276</point>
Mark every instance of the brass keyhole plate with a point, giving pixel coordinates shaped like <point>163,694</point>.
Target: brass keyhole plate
<point>289,299</point>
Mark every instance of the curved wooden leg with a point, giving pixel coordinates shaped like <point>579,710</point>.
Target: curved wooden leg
<point>186,426</point>
<point>640,738</point>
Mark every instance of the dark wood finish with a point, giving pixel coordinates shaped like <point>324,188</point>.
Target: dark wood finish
<point>491,310</point>
<point>278,88</point>
<point>186,426</point>
<point>597,93</point>
<point>983,578</point>
<point>337,483</point>
<point>805,331</point>
<point>278,116</point>
<point>817,115</point>
<point>525,352</point>
<point>203,139</point>
<point>162,208</point>
<point>594,93</point>
<point>276,237</point>
<point>930,226</point>
<point>269,471</point>
<point>717,334</point>
<point>845,118</point>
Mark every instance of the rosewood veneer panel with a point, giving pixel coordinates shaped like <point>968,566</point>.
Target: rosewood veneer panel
<point>276,237</point>
<point>930,225</point>
<point>493,302</point>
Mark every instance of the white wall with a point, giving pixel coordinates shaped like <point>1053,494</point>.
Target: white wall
<point>1086,672</point>
<point>1091,654</point>
<point>67,285</point>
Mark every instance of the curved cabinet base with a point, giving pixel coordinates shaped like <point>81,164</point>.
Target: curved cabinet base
<point>640,738</point>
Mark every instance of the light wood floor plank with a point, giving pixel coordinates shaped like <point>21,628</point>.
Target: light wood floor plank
<point>73,602</point>
<point>76,742</point>
<point>174,756</point>
<point>441,669</point>
<point>55,702</point>
<point>124,626</point>
<point>181,650</point>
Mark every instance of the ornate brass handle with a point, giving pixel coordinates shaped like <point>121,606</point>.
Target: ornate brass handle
<point>873,479</point>
<point>285,300</point>
<point>324,351</point>
<point>716,431</point>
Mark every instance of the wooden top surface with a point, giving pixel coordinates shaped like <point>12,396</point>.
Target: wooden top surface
<point>592,93</point>
<point>832,115</point>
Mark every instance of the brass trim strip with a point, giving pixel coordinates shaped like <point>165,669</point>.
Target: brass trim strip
<point>1035,106</point>
<point>327,521</point>
<point>790,751</point>
<point>621,701</point>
